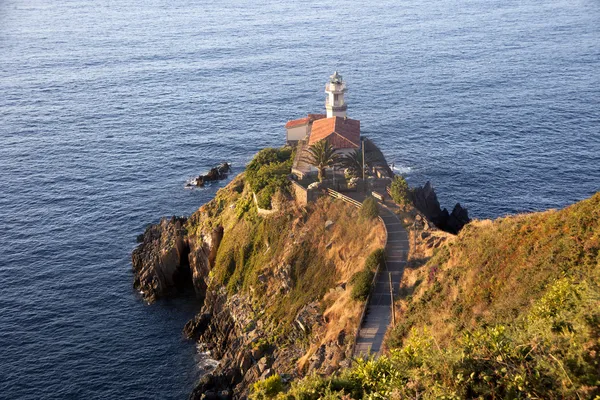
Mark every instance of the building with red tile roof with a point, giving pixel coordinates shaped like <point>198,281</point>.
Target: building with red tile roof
<point>335,127</point>
<point>299,129</point>
<point>303,121</point>
<point>341,133</point>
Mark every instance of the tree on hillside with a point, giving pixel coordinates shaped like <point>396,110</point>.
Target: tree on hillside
<point>322,155</point>
<point>400,191</point>
<point>354,162</point>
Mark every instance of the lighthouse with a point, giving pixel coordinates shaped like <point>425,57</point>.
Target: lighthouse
<point>334,103</point>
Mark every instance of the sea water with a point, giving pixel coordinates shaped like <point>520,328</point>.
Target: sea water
<point>106,108</point>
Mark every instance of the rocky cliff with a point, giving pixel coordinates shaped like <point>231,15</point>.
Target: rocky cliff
<point>168,261</point>
<point>160,263</point>
<point>274,289</point>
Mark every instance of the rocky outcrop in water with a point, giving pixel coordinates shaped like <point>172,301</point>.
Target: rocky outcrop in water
<point>168,262</point>
<point>426,201</point>
<point>221,171</point>
<point>160,262</point>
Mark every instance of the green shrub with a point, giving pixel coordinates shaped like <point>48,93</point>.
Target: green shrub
<point>263,198</point>
<point>361,284</point>
<point>400,191</point>
<point>369,208</point>
<point>267,173</point>
<point>267,389</point>
<point>375,260</point>
<point>243,205</point>
<point>314,387</point>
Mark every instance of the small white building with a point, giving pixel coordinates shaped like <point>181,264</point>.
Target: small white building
<point>299,129</point>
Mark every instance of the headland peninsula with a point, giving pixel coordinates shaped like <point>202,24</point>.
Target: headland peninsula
<point>321,274</point>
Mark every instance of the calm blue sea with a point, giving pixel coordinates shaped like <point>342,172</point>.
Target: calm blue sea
<point>107,107</point>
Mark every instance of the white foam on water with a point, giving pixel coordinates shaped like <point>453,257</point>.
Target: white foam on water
<point>402,170</point>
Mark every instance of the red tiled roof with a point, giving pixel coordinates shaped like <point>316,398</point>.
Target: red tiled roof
<point>303,121</point>
<point>341,133</point>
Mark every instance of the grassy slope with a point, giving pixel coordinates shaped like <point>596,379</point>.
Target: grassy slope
<point>494,271</point>
<point>509,309</point>
<point>283,261</point>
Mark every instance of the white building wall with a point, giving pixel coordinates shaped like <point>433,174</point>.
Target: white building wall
<point>296,133</point>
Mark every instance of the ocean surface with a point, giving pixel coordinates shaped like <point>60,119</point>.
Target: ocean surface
<point>106,108</point>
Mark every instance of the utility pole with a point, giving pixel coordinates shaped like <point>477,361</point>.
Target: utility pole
<point>363,165</point>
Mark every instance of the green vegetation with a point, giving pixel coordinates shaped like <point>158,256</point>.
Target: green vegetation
<point>267,389</point>
<point>400,191</point>
<point>246,247</point>
<point>509,310</point>
<point>322,155</point>
<point>362,281</point>
<point>252,248</point>
<point>375,260</point>
<point>267,173</point>
<point>354,163</point>
<point>361,284</point>
<point>369,208</point>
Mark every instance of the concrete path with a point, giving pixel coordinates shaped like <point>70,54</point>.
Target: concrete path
<point>378,315</point>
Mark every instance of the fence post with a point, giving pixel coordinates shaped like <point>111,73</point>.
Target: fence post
<point>392,300</point>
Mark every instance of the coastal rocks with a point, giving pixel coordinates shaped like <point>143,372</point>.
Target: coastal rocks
<point>231,329</point>
<point>309,317</point>
<point>168,261</point>
<point>160,262</point>
<point>202,254</point>
<point>196,326</point>
<point>230,336</point>
<point>221,171</point>
<point>426,201</point>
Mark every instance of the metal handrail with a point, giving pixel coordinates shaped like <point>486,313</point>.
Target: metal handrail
<point>357,204</point>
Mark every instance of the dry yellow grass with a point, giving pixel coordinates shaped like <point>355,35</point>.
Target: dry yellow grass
<point>352,240</point>
<point>319,260</point>
<point>492,270</point>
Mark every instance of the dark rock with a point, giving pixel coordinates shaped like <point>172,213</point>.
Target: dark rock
<point>245,362</point>
<point>160,262</point>
<point>168,262</point>
<point>203,251</point>
<point>458,218</point>
<point>341,339</point>
<point>210,395</point>
<point>316,361</point>
<point>219,172</point>
<point>225,395</point>
<point>196,326</point>
<point>426,201</point>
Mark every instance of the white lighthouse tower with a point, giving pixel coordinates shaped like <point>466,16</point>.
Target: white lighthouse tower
<point>334,103</point>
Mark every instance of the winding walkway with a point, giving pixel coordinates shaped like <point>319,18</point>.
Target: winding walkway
<point>378,315</point>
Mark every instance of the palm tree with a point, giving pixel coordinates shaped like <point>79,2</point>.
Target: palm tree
<point>354,162</point>
<point>322,155</point>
